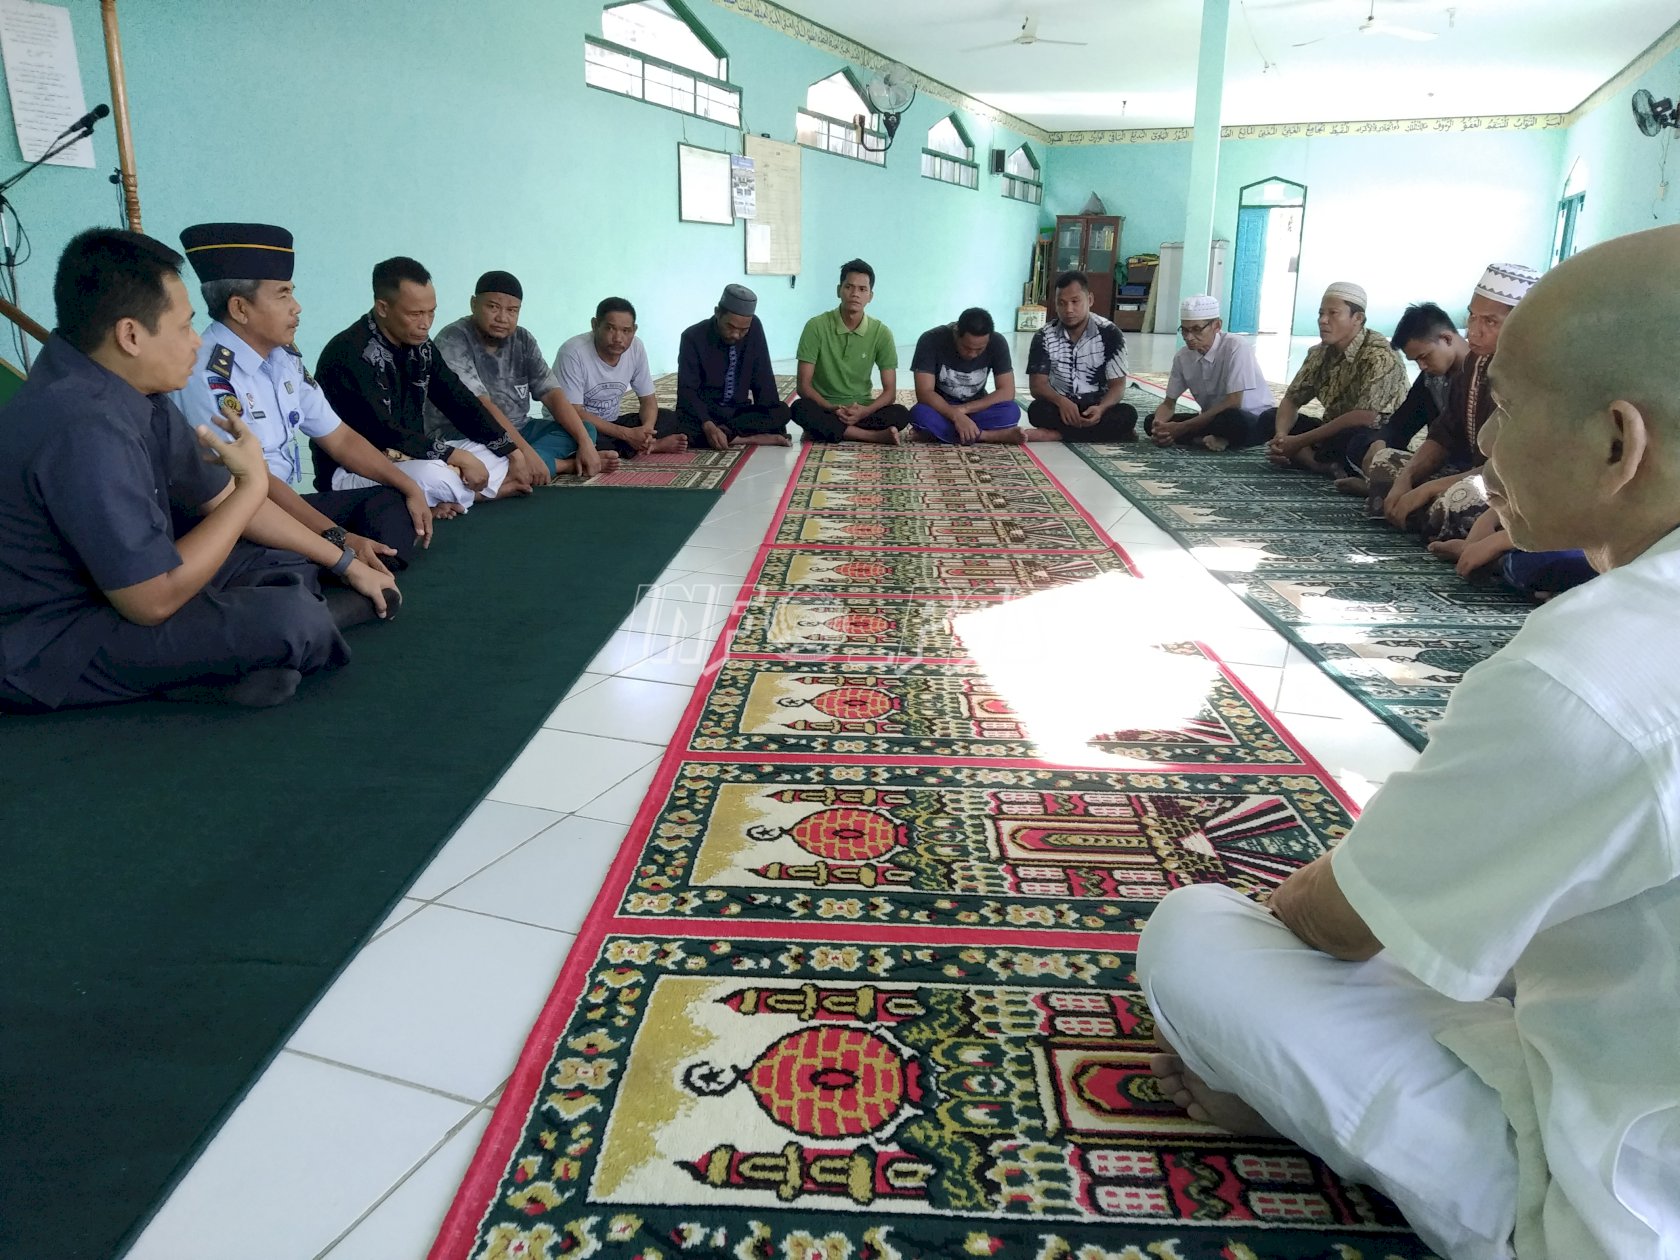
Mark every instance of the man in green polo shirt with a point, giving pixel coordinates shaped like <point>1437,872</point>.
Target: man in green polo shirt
<point>837,350</point>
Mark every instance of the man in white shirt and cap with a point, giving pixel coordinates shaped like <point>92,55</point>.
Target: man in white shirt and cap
<point>1224,378</point>
<point>1483,1020</point>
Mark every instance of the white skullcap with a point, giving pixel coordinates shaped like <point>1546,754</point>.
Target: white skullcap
<point>1507,282</point>
<point>1348,292</point>
<point>1202,306</point>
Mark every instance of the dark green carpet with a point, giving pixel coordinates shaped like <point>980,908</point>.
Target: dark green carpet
<point>179,883</point>
<point>1394,626</point>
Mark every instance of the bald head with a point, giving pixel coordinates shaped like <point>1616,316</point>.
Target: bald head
<point>1598,328</point>
<point>1584,449</point>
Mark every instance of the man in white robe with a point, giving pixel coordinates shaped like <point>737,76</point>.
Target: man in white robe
<point>1474,1003</point>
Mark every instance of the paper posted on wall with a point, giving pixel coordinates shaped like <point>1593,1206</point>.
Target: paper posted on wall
<point>758,243</point>
<point>742,187</point>
<point>42,78</point>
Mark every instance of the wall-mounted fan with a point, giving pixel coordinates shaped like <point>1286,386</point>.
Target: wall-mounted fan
<point>1373,25</point>
<point>1652,116</point>
<point>889,94</point>
<point>1027,37</point>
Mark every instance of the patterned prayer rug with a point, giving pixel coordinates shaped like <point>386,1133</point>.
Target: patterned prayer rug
<point>1396,627</point>
<point>693,469</point>
<point>698,468</point>
<point>860,983</point>
<point>1158,382</point>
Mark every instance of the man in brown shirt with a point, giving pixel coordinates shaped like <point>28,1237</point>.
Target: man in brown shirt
<point>1438,470</point>
<point>1354,372</point>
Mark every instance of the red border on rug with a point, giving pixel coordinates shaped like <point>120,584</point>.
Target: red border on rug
<point>476,1193</point>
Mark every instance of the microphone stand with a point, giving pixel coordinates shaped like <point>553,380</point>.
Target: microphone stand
<point>8,256</point>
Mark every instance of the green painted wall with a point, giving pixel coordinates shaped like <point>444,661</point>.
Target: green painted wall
<point>1145,183</point>
<point>1624,169</point>
<point>1411,216</point>
<point>387,127</point>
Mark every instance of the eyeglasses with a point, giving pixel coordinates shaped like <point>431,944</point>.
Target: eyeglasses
<point>1194,330</point>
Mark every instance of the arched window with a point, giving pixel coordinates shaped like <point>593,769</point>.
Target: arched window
<point>829,120</point>
<point>1020,176</point>
<point>1576,184</point>
<point>949,154</point>
<point>1569,211</point>
<point>655,51</point>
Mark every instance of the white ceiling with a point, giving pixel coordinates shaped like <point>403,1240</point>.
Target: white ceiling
<point>1139,66</point>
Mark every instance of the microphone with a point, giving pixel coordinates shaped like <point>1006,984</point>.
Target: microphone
<point>86,121</point>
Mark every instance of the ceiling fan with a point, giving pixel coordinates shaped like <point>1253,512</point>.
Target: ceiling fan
<point>1028,37</point>
<point>1373,25</point>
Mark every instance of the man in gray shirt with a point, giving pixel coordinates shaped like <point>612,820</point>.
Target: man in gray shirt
<point>502,364</point>
<point>597,368</point>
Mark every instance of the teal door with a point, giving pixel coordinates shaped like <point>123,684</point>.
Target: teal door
<point>1247,268</point>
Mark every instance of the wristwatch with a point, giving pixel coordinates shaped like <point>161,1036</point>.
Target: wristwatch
<point>342,565</point>
<point>335,535</point>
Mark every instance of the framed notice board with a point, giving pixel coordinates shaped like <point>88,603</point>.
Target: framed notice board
<point>703,186</point>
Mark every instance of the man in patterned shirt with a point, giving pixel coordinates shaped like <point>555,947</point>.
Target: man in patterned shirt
<point>1353,371</point>
<point>1077,370</point>
<point>380,373</point>
<point>500,361</point>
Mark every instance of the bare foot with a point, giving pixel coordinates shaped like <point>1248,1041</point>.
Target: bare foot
<point>716,438</point>
<point>1449,549</point>
<point>565,467</point>
<point>1043,435</point>
<point>920,435</point>
<point>1356,486</point>
<point>609,461</point>
<point>882,437</point>
<point>1214,443</point>
<point>670,444</point>
<point>763,439</point>
<point>1203,1104</point>
<point>1005,437</point>
<point>1311,463</point>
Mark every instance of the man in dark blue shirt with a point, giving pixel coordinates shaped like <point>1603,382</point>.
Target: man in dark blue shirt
<point>101,599</point>
<point>726,392</point>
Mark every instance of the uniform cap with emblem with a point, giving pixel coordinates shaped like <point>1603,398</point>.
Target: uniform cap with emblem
<point>1507,283</point>
<point>238,251</point>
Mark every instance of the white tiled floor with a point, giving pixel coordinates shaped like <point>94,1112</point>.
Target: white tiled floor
<point>359,1132</point>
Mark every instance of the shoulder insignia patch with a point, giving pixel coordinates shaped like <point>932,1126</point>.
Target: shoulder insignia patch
<point>223,394</point>
<point>221,361</point>
<point>298,355</point>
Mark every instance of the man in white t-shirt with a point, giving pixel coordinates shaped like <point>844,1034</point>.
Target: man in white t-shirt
<point>597,368</point>
<point>1474,1003</point>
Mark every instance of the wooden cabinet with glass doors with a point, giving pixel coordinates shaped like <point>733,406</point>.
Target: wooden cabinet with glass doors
<point>1088,243</point>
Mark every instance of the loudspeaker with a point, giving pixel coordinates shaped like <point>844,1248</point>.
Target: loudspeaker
<point>998,158</point>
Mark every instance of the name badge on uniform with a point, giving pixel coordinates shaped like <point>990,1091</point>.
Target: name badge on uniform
<point>289,390</point>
